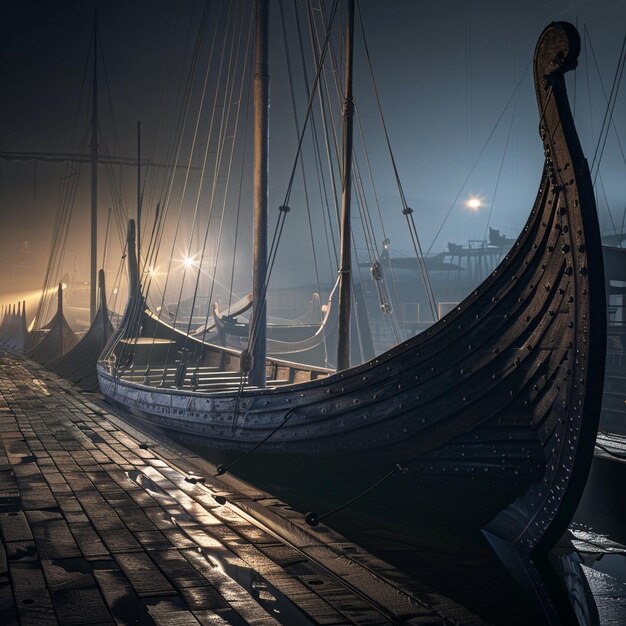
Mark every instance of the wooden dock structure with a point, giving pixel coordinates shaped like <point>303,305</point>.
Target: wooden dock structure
<point>103,523</point>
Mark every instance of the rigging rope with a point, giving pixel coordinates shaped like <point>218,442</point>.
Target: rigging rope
<point>406,211</point>
<point>181,127</point>
<point>331,136</point>
<point>336,163</point>
<point>315,139</point>
<point>609,111</point>
<point>328,225</point>
<point>244,75</point>
<point>495,190</point>
<point>188,253</point>
<point>171,145</point>
<point>297,129</point>
<point>176,154</point>
<point>314,87</point>
<point>284,208</point>
<point>477,160</point>
<point>608,115</point>
<point>176,151</point>
<point>239,194</point>
<point>106,239</point>
<point>65,204</point>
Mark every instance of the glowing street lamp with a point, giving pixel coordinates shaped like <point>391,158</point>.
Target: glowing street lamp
<point>473,203</point>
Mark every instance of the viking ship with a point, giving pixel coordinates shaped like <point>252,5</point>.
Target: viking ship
<point>299,339</point>
<point>302,341</point>
<point>484,422</point>
<point>55,339</point>
<point>13,330</point>
<point>79,363</point>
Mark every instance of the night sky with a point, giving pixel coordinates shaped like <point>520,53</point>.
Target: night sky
<point>445,71</point>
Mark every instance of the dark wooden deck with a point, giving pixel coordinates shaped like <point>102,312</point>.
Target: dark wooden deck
<point>102,523</point>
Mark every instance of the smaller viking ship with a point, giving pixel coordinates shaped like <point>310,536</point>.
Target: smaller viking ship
<point>13,330</point>
<point>78,364</point>
<point>300,341</point>
<point>54,339</point>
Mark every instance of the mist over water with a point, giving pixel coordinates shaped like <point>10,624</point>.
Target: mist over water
<point>455,85</point>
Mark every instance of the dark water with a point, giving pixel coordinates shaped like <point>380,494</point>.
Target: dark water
<point>599,527</point>
<point>465,568</point>
<point>612,564</point>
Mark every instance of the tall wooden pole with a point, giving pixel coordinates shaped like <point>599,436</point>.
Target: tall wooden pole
<point>256,375</point>
<point>139,197</point>
<point>93,282</point>
<point>345,268</point>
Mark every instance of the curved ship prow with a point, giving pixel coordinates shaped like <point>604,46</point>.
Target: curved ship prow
<point>490,415</point>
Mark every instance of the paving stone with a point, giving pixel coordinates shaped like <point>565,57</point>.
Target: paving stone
<point>8,610</point>
<point>135,519</point>
<point>146,579</point>
<point>9,493</point>
<point>80,606</point>
<point>177,538</point>
<point>178,569</point>
<point>37,497</point>
<point>88,540</point>
<point>118,541</point>
<point>118,499</point>
<point>54,539</point>
<point>122,601</point>
<point>35,608</point>
<point>14,527</point>
<point>202,598</point>
<point>221,617</point>
<point>153,540</point>
<point>102,516</point>
<point>4,563</point>
<point>22,551</point>
<point>26,576</point>
<point>67,573</point>
<point>171,613</point>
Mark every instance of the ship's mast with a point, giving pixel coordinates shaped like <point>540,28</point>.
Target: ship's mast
<point>345,269</point>
<point>93,283</point>
<point>139,198</point>
<point>256,375</point>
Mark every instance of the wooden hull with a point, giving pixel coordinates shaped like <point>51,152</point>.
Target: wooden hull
<point>491,414</point>
<point>324,473</point>
<point>57,340</point>
<point>79,365</point>
<point>13,331</point>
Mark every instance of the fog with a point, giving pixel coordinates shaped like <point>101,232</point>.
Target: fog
<point>455,86</point>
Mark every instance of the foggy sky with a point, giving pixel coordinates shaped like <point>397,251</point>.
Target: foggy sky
<point>445,71</point>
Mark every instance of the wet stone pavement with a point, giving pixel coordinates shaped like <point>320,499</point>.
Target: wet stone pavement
<point>101,524</point>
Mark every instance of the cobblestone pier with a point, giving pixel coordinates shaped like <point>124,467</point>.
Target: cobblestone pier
<point>102,523</point>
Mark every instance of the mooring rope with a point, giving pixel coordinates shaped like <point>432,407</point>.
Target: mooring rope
<point>222,469</point>
<point>312,519</point>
